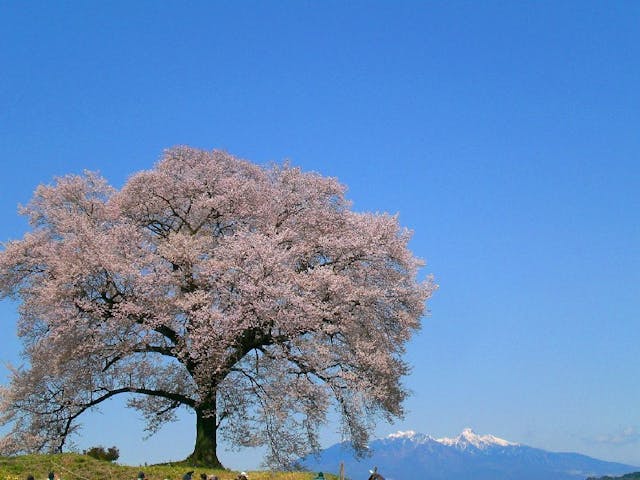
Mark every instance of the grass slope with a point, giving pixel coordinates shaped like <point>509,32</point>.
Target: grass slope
<point>71,466</point>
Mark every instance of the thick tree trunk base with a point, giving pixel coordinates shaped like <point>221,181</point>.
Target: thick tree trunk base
<point>205,451</point>
<point>204,459</point>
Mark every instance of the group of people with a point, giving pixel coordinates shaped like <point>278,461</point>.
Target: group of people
<point>51,476</point>
<point>142,476</point>
<point>203,476</point>
<point>374,475</point>
<point>189,476</point>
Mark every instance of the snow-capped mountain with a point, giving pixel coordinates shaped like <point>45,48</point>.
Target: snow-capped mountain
<point>469,438</point>
<point>410,455</point>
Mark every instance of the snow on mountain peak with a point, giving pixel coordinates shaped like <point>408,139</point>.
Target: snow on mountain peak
<point>469,437</point>
<point>411,435</point>
<point>466,438</point>
<point>401,434</point>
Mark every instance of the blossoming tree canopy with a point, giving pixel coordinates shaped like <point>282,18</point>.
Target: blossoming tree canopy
<point>254,296</point>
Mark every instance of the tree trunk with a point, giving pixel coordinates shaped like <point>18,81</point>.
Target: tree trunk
<point>204,454</point>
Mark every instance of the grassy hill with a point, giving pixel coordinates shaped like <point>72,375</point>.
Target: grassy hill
<point>71,466</point>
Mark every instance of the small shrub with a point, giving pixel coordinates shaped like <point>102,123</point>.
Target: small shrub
<point>99,453</point>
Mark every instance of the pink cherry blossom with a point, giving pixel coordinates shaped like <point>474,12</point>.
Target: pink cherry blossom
<point>254,296</point>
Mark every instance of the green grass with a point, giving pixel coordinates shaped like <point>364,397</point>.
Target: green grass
<point>71,466</point>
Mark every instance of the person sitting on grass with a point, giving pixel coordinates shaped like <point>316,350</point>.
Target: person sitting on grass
<point>141,476</point>
<point>204,476</point>
<point>188,475</point>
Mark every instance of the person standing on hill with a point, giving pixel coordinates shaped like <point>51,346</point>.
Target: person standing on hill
<point>375,475</point>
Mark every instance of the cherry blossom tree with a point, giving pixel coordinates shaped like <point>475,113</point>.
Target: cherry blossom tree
<point>254,296</point>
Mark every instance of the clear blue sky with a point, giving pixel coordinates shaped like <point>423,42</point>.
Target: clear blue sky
<point>506,134</point>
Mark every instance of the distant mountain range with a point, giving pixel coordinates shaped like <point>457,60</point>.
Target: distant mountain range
<point>410,455</point>
<point>628,476</point>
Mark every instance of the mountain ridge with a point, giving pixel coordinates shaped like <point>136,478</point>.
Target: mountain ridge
<point>409,454</point>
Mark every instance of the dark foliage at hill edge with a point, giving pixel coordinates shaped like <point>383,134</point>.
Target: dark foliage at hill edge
<point>628,476</point>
